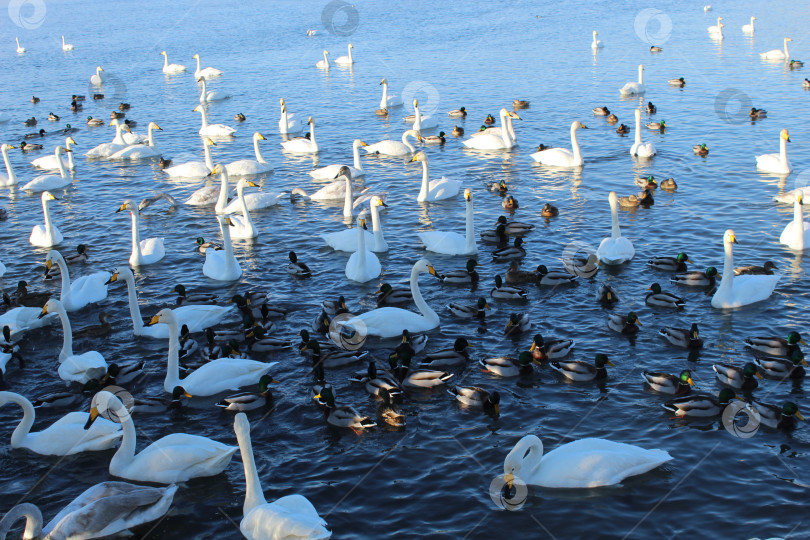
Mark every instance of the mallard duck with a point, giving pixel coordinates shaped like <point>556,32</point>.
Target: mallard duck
<point>516,275</point>
<point>579,266</point>
<point>756,114</point>
<point>414,343</point>
<point>187,344</point>
<point>68,129</point>
<point>783,368</point>
<point>510,203</point>
<point>435,139</point>
<point>75,106</point>
<point>130,123</point>
<point>498,187</point>
<point>381,112</point>
<point>606,295</point>
<point>517,324</point>
<point>34,99</point>
<point>335,307</point>
<point>681,337</point>
<point>679,82</point>
<point>94,121</point>
<point>508,366</point>
<point>57,400</point>
<point>164,163</point>
<point>40,133</point>
<point>505,292</point>
<point>774,346</point>
<point>387,413</point>
<point>27,147</point>
<point>552,349</point>
<point>651,109</point>
<point>668,185</point>
<point>744,378</point>
<point>670,264</point>
<point>458,131</point>
<point>98,96</point>
<point>30,122</point>
<point>239,117</point>
<point>622,129</point>
<point>375,384</point>
<point>184,299</point>
<point>117,115</point>
<point>655,49</point>
<point>577,370</point>
<point>469,312</point>
<point>553,277</point>
<point>754,270</point>
<point>389,296</point>
<point>478,398</point>
<point>24,297</point>
<point>461,112</point>
<point>663,299</point>
<point>418,378</point>
<point>701,405</point>
<point>795,64</point>
<point>612,119</point>
<point>124,106</point>
<point>541,147</point>
<point>669,384</point>
<point>74,97</point>
<point>657,126</point>
<point>622,324</point>
<point>466,276</point>
<point>489,120</point>
<point>520,104</point>
<point>247,401</point>
<point>510,253</point>
<point>122,373</point>
<point>549,211</point>
<point>648,182</point>
<point>701,150</point>
<point>298,269</point>
<point>343,416</point>
<point>601,111</point>
<point>696,278</point>
<point>776,417</point>
<point>259,341</point>
<point>516,228</point>
<point>52,117</point>
<point>455,356</point>
<point>806,84</point>
<point>96,330</point>
<point>149,405</point>
<point>203,246</point>
<point>495,236</point>
<point>333,358</point>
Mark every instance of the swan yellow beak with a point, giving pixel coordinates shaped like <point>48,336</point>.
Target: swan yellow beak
<point>414,158</point>
<point>509,479</point>
<point>113,278</point>
<point>252,184</point>
<point>44,311</point>
<point>382,81</point>
<point>162,52</point>
<point>154,320</point>
<point>73,142</point>
<point>91,417</point>
<point>583,126</point>
<point>210,142</point>
<point>50,197</point>
<point>309,120</point>
<point>262,137</point>
<point>733,239</point>
<point>431,270</point>
<point>122,208</point>
<point>158,127</point>
<point>48,264</point>
<point>363,143</point>
<point>229,222</point>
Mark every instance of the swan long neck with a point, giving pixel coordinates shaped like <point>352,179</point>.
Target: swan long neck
<point>505,121</point>
<point>240,193</point>
<point>204,116</point>
<point>347,199</point>
<point>207,156</point>
<point>173,368</point>
<point>63,269</point>
<point>150,135</point>
<point>62,172</point>
<point>203,92</point>
<point>312,136</point>
<point>615,230</point>
<point>68,145</point>
<point>638,126</point>
<point>575,143</point>
<point>406,143</point>
<point>126,452</point>
<point>29,416</point>
<point>222,201</point>
<point>798,225</point>
<point>379,239</point>
<point>423,193</point>
<point>350,56</point>
<point>727,282</point>
<point>12,178</point>
<point>470,231</point>
<point>417,123</point>
<point>361,246</point>
<point>198,64</point>
<point>783,152</point>
<point>787,54</point>
<point>421,305</point>
<point>29,511</point>
<point>640,74</point>
<point>253,485</point>
<point>384,100</point>
<point>511,129</point>
<point>67,340</point>
<point>136,233</point>
<point>165,56</point>
<point>356,154</point>
<point>257,151</point>
<point>228,245</point>
<point>134,308</point>
<point>48,223</point>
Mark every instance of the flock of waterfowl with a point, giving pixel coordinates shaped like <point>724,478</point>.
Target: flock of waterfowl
<point>214,349</point>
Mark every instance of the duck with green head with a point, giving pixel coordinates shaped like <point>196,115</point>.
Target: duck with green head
<point>670,264</point>
<point>477,311</point>
<point>624,324</point>
<point>477,398</point>
<point>462,277</point>
<point>783,368</point>
<point>744,378</point>
<point>659,298</point>
<point>580,371</point>
<point>509,366</point>
<point>775,346</point>
<point>457,355</point>
<point>776,417</point>
<point>697,278</point>
<point>343,416</point>
<point>701,405</point>
<point>666,383</point>
<point>681,337</point>
<point>543,349</point>
<point>247,401</point>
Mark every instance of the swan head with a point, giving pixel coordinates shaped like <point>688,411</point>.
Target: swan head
<point>153,125</point>
<point>377,201</point>
<point>165,316</point>
<point>48,196</point>
<point>241,426</point>
<point>579,125</point>
<point>788,39</point>
<point>71,141</point>
<point>259,137</point>
<point>420,156</point>
<point>201,79</point>
<point>467,194</point>
<point>198,108</point>
<point>383,81</point>
<point>351,46</point>
<point>51,306</point>
<point>613,198</point>
<point>129,204</point>
<point>729,237</point>
<point>310,121</point>
<point>799,197</point>
<point>5,147</point>
<point>784,135</point>
<point>516,458</point>
<point>424,266</point>
<point>109,406</point>
<point>344,171</point>
<point>195,57</point>
<point>161,52</point>
<point>99,68</point>
<point>53,255</point>
<point>359,143</point>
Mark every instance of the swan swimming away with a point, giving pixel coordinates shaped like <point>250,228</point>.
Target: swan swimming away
<point>363,265</point>
<point>562,157</point>
<point>221,264</point>
<point>147,251</point>
<point>66,46</point>
<point>303,145</point>
<point>504,140</point>
<point>9,179</point>
<point>46,235</point>
<point>212,130</point>
<point>797,233</point>
<point>395,148</point>
<point>585,463</point>
<point>776,163</point>
<point>77,294</point>
<point>452,243</point>
<point>79,368</point>
<point>207,73</point>
<point>249,167</point>
<point>51,181</point>
<point>49,163</point>
<point>735,291</point>
<point>346,60</point>
<point>634,88</point>
<point>639,148</point>
<point>171,69</point>
<point>777,54</point>
<point>615,249</point>
<point>195,169</point>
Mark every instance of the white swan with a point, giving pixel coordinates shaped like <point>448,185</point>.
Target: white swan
<point>66,46</point>
<point>20,49</point>
<point>749,28</point>
<point>634,88</point>
<point>394,148</point>
<point>776,163</point>
<point>64,437</point>
<point>735,291</point>
<point>389,322</point>
<point>452,243</point>
<point>435,190</point>
<point>303,145</point>
<point>78,368</point>
<point>221,264</point>
<point>585,463</point>
<point>243,226</point>
<point>254,201</point>
<point>9,179</point>
<point>777,54</point>
<point>49,163</point>
<point>323,64</point>
<point>331,171</point>
<point>363,265</point>
<point>140,151</point>
<point>96,79</point>
<point>287,123</point>
<point>289,517</point>
<point>797,233</point>
<point>194,169</point>
<point>51,181</point>
<point>562,157</point>
<point>718,28</point>
<point>212,195</point>
<point>639,148</point>
<point>46,235</point>
<point>22,318</point>
<point>207,96</point>
<point>107,149</point>
<point>171,69</point>
<point>596,43</point>
<point>212,130</point>
<point>147,251</point>
<point>346,240</point>
<point>388,100</point>
<point>104,510</point>
<point>246,167</point>
<point>488,141</point>
<point>616,249</point>
<point>197,317</point>
<point>213,377</point>
<point>207,73</point>
<point>346,60</point>
<point>85,290</point>
<point>177,457</point>
<point>420,121</point>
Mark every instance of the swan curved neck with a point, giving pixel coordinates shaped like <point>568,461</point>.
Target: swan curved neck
<point>222,201</point>
<point>150,136</point>
<point>423,193</point>
<point>32,515</point>
<point>638,126</point>
<point>67,340</point>
<point>173,368</point>
<point>63,269</point>
<point>312,136</point>
<point>62,171</point>
<point>68,145</point>
<point>384,100</point>
<point>24,428</point>
<point>361,249</point>
<point>257,151</point>
<point>240,193</point>
<point>347,199</point>
<point>230,262</point>
<point>203,92</point>
<point>253,486</point>
<point>787,54</point>
<point>421,305</point>
<point>12,178</point>
<point>136,235</point>
<point>417,123</point>
<point>126,452</point>
<point>615,231</point>
<point>48,223</point>
<point>165,56</point>
<point>783,152</point>
<point>406,143</point>
<point>727,282</point>
<point>506,121</point>
<point>198,64</point>
<point>134,308</point>
<point>207,156</point>
<point>379,239</point>
<point>356,154</point>
<point>204,116</point>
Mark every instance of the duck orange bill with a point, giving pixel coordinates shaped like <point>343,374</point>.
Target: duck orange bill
<point>799,415</point>
<point>690,381</point>
<point>638,322</point>
<point>317,396</point>
<point>610,363</point>
<point>759,375</point>
<point>154,320</point>
<point>91,417</point>
<point>533,347</point>
<point>804,362</point>
<point>187,394</point>
<point>498,409</point>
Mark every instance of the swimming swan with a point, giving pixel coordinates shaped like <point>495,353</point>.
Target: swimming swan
<point>562,157</point>
<point>616,249</point>
<point>776,163</point>
<point>450,242</point>
<point>46,235</point>
<point>735,291</point>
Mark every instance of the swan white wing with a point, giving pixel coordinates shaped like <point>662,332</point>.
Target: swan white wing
<point>39,236</point>
<point>176,458</point>
<point>331,171</point>
<point>49,163</point>
<point>225,374</point>
<point>81,368</point>
<point>217,130</point>
<point>47,182</point>
<point>790,233</point>
<point>67,436</point>
<point>371,270</point>
<point>335,191</point>
<point>289,517</point>
<point>215,266</point>
<point>632,88</point>
<point>615,250</point>
<point>746,289</point>
<point>247,167</point>
<point>198,317</point>
<point>205,196</point>
<point>152,250</point>
<point>645,150</point>
<point>105,150</point>
<point>86,290</point>
<point>191,169</point>
<point>443,188</point>
<point>24,318</point>
<point>789,196</point>
<point>298,145</point>
<point>445,242</point>
<point>555,157</point>
<point>486,142</point>
<point>772,163</point>
<point>255,201</point>
<point>390,322</point>
<point>135,152</point>
<point>389,148</point>
<point>346,240</point>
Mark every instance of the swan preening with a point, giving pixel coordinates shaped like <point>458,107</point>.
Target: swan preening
<point>615,249</point>
<point>562,157</point>
<point>776,163</point>
<point>735,291</point>
<point>634,88</point>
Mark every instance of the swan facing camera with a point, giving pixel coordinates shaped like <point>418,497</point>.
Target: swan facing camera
<point>732,106</point>
<point>27,14</point>
<point>743,426</point>
<point>347,337</point>
<point>508,495</point>
<point>340,18</point>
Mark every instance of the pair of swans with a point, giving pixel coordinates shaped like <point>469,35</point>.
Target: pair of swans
<point>206,73</point>
<point>140,151</point>
<point>101,511</point>
<point>363,265</point>
<point>292,516</point>
<point>331,171</point>
<point>585,463</point>
<point>777,54</point>
<point>197,317</point>
<point>243,227</point>
<point>562,157</point>
<point>776,163</point>
<point>716,31</point>
<point>212,130</point>
<point>147,251</point>
<point>207,96</point>
<point>50,163</point>
<point>500,141</point>
<point>634,88</point>
<point>434,190</point>
<point>616,249</point>
<point>341,188</point>
<point>195,169</point>
<point>394,148</point>
<point>45,182</point>
<point>797,233</point>
<point>171,69</point>
<point>287,123</point>
<point>387,322</point>
<point>303,145</point>
<point>248,167</point>
<point>641,149</point>
<point>388,100</point>
<point>46,235</point>
<point>118,143</point>
<point>79,368</point>
<point>77,294</point>
<point>419,121</point>
<point>221,265</point>
<point>218,196</point>
<point>452,243</point>
<point>346,240</point>
<point>735,291</point>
